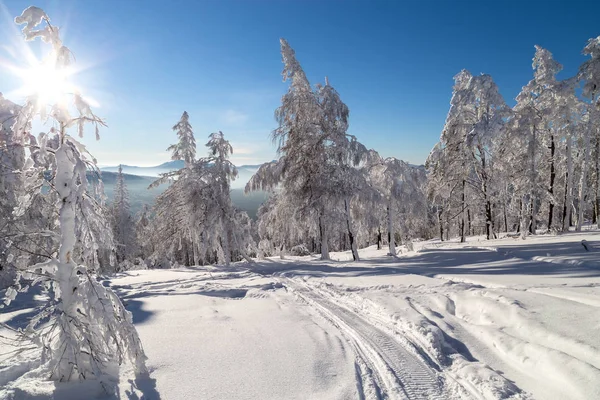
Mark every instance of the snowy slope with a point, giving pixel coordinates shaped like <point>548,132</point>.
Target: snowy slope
<point>481,320</point>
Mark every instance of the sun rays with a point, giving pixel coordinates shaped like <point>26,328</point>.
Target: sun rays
<point>38,76</point>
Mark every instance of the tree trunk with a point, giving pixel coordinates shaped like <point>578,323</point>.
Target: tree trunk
<point>196,255</point>
<point>524,217</point>
<point>569,186</point>
<point>225,241</point>
<point>532,181</point>
<point>350,232</point>
<point>583,182</point>
<point>489,223</point>
<point>551,187</point>
<point>505,217</point>
<point>596,178</point>
<point>462,218</point>
<point>441,222</point>
<point>390,212</point>
<point>324,239</point>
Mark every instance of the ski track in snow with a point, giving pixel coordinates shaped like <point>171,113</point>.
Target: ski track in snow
<point>387,369</point>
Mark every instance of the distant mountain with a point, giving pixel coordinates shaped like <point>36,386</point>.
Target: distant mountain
<point>139,194</point>
<point>171,165</point>
<point>245,172</point>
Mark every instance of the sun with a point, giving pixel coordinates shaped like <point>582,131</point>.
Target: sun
<point>46,81</point>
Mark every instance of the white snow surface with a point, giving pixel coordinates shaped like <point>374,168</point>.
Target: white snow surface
<point>507,318</point>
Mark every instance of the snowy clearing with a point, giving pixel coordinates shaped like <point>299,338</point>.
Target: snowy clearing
<point>481,320</point>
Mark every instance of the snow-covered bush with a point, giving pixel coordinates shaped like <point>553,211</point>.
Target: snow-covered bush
<point>300,250</point>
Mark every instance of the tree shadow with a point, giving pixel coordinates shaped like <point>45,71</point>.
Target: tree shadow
<point>138,313</point>
<point>564,259</point>
<point>143,387</point>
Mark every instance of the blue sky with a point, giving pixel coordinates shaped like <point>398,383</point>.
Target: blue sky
<point>145,62</point>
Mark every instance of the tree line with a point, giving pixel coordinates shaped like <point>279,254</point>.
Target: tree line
<point>521,170</point>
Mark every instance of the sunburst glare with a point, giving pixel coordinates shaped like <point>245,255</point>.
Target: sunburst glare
<point>49,83</point>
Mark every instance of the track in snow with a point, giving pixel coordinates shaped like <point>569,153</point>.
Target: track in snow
<point>385,368</point>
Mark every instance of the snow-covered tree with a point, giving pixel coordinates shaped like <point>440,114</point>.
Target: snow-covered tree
<point>449,162</point>
<point>195,221</point>
<point>533,128</point>
<point>185,149</point>
<point>85,330</point>
<point>462,162</point>
<point>589,76</point>
<point>123,228</point>
<point>314,171</point>
<point>12,159</point>
<point>403,189</point>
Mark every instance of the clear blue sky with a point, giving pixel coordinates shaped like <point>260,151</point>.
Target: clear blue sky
<point>391,61</point>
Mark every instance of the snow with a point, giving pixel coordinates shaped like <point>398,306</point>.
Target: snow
<point>506,318</point>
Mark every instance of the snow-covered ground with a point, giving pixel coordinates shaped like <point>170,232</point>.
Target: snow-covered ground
<point>484,320</point>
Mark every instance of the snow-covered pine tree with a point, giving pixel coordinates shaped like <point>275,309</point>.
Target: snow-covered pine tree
<point>220,230</point>
<point>143,233</point>
<point>185,149</point>
<point>195,221</point>
<point>123,228</point>
<point>85,330</point>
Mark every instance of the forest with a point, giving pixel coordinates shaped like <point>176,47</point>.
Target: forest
<point>496,171</point>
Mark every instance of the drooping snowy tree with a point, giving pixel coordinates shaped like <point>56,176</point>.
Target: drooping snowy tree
<point>185,149</point>
<point>314,171</point>
<point>85,330</point>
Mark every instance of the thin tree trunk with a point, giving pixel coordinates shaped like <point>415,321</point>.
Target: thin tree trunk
<point>569,185</point>
<point>552,177</point>
<point>505,217</point>
<point>196,255</point>
<point>524,217</point>
<point>390,212</point>
<point>469,230</point>
<point>462,217</point>
<point>350,233</point>
<point>441,222</point>
<point>583,182</point>
<point>596,188</point>
<point>532,181</point>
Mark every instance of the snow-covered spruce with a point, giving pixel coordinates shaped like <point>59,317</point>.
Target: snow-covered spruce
<point>122,221</point>
<point>195,222</point>
<point>84,331</point>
